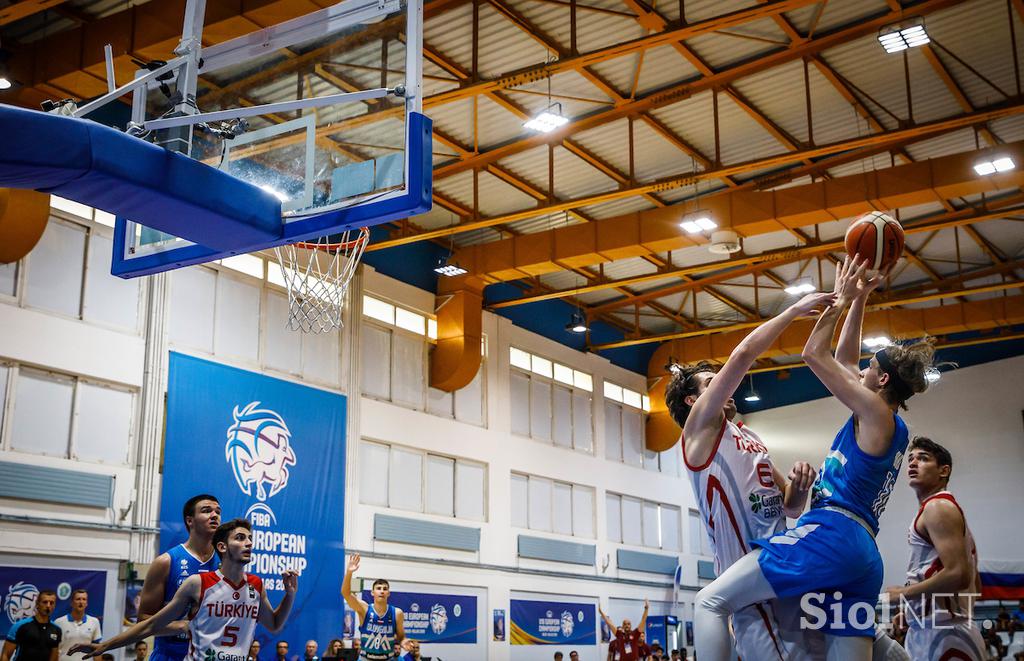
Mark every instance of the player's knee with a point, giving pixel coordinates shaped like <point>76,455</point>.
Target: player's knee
<point>712,601</point>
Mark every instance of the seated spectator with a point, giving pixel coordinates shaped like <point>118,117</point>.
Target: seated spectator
<point>410,650</point>
<point>558,656</point>
<point>333,650</point>
<point>1002,619</point>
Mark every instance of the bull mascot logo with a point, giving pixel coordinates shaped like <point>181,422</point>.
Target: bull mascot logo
<point>20,601</point>
<point>259,451</point>
<point>438,619</point>
<point>567,624</point>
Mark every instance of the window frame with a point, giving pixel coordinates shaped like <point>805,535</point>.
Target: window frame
<point>555,383</point>
<point>681,541</point>
<point>551,505</point>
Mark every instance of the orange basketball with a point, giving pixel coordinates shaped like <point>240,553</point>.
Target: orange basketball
<point>876,237</point>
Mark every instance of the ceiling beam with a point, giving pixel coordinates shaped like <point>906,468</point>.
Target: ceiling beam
<point>24,9</point>
<point>736,267</point>
<point>887,139</point>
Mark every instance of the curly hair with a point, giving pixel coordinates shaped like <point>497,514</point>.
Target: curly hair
<point>682,386</point>
<point>910,366</point>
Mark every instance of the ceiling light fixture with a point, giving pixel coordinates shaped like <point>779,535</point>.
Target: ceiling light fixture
<point>1001,164</point>
<point>896,38</point>
<point>448,268</point>
<point>548,120</point>
<point>877,342</point>
<point>697,224</point>
<point>798,288</point>
<point>752,396</point>
<point>932,374</point>
<point>577,323</point>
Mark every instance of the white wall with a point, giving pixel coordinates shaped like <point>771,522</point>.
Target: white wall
<point>976,412</point>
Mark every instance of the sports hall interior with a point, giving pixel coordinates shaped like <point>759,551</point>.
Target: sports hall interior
<point>505,434</point>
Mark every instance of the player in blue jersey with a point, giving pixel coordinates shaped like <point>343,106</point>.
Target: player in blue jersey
<point>381,626</point>
<point>830,557</point>
<point>169,570</point>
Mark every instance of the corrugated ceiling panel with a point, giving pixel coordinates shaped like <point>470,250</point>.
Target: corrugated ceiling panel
<point>835,14</point>
<point>617,207</point>
<point>663,66</point>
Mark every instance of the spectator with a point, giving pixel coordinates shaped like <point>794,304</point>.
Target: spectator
<point>410,650</point>
<point>254,651</point>
<point>311,647</point>
<point>77,627</point>
<point>626,643</point>
<point>107,657</point>
<point>1002,619</point>
<point>141,650</point>
<point>677,655</point>
<point>558,656</point>
<point>574,656</point>
<point>333,650</point>
<point>1018,615</point>
<point>35,638</point>
<point>282,650</point>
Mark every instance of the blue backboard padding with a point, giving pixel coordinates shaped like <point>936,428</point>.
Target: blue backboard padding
<point>126,176</point>
<point>389,171</point>
<point>416,199</point>
<point>351,180</point>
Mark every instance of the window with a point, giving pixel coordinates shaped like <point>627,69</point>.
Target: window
<point>546,505</point>
<point>700,544</point>
<point>551,402</point>
<point>230,313</point>
<point>624,419</point>
<point>42,409</point>
<point>395,364</point>
<point>641,522</point>
<point>417,481</point>
<point>68,273</point>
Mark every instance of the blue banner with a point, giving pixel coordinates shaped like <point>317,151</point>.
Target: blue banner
<point>271,451</point>
<point>553,623</point>
<point>656,630</point>
<point>19,587</point>
<point>435,618</point>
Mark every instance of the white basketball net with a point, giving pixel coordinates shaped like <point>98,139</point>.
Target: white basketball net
<point>317,275</point>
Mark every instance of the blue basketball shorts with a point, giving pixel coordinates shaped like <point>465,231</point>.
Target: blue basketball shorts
<point>833,564</point>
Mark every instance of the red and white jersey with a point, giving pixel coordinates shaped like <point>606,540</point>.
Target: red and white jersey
<point>736,493</point>
<point>924,561</point>
<point>223,626</point>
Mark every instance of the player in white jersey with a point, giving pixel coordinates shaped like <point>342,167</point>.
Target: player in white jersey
<point>740,493</point>
<point>942,577</point>
<point>223,607</point>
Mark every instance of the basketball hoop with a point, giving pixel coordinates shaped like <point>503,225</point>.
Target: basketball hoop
<point>317,275</point>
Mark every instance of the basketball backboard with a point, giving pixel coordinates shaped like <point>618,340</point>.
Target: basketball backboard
<point>322,111</point>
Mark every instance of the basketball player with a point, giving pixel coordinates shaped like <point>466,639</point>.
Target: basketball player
<point>169,571</point>
<point>223,606</point>
<point>382,627</point>
<point>943,562</point>
<point>740,493</point>
<point>831,554</point>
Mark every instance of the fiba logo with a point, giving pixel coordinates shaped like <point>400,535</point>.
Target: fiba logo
<point>259,451</point>
<point>20,601</point>
<point>567,624</point>
<point>438,619</point>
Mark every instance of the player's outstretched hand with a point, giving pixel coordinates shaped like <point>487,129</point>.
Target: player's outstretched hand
<point>848,277</point>
<point>88,649</point>
<point>353,562</point>
<point>815,302</point>
<point>802,475</point>
<point>290,578</point>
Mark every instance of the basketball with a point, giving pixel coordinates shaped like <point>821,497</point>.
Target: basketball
<point>876,237</point>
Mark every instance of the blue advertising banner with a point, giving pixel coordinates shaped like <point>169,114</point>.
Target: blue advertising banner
<point>656,630</point>
<point>273,452</point>
<point>20,586</point>
<point>553,623</point>
<point>435,618</point>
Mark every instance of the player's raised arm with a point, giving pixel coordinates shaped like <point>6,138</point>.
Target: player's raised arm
<point>706,410</point>
<point>867,406</point>
<point>184,598</point>
<point>274,618</point>
<point>795,487</point>
<point>354,602</point>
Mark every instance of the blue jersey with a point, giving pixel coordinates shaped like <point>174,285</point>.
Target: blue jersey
<point>377,635</point>
<point>183,565</point>
<point>856,481</point>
